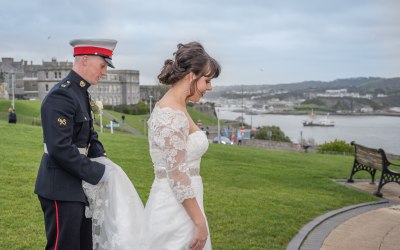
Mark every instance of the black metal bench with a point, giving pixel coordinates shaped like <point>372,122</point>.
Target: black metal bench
<point>371,160</point>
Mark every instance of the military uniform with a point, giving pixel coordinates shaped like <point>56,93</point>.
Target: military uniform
<point>69,141</point>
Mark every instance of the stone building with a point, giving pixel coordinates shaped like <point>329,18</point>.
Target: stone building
<point>48,75</point>
<point>119,87</point>
<point>13,72</point>
<point>35,81</point>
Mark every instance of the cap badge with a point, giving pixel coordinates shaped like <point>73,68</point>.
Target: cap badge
<point>82,84</point>
<point>62,122</point>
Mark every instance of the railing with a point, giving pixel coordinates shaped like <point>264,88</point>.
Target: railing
<point>24,119</point>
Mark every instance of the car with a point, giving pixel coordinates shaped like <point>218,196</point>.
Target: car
<point>224,140</point>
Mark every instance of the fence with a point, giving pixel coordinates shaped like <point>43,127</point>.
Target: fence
<point>35,121</point>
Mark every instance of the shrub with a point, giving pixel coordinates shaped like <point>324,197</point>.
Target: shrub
<point>275,132</point>
<point>336,146</point>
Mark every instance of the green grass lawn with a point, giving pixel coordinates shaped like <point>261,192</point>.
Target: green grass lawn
<point>254,198</point>
<point>28,112</point>
<point>135,121</point>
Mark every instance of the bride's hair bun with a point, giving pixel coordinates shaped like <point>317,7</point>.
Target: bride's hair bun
<point>190,57</point>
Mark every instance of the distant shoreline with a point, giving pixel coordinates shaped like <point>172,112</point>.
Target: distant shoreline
<point>318,113</point>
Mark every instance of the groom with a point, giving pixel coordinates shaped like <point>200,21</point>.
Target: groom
<point>69,141</point>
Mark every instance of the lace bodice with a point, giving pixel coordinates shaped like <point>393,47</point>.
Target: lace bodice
<point>175,153</point>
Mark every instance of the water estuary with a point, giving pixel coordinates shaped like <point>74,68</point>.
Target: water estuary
<point>373,131</point>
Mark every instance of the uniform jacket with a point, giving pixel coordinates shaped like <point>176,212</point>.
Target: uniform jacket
<point>67,125</point>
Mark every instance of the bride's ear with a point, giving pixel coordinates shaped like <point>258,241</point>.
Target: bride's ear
<point>190,77</point>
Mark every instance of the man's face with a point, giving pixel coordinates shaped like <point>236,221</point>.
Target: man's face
<point>96,69</point>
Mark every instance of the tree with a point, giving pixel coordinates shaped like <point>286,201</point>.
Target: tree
<point>272,133</point>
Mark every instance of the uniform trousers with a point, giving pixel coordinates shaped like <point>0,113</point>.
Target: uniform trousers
<point>66,226</point>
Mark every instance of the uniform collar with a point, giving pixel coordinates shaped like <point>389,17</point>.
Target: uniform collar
<point>78,80</point>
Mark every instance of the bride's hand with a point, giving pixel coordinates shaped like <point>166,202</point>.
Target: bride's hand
<point>200,236</point>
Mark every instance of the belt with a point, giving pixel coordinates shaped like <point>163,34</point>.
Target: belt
<point>161,173</point>
<point>82,151</point>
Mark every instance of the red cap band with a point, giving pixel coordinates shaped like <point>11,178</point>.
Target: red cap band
<point>91,50</point>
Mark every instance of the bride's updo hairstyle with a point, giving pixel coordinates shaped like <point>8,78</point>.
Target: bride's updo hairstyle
<point>190,57</point>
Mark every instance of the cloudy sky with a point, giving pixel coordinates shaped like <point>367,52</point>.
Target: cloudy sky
<point>255,41</point>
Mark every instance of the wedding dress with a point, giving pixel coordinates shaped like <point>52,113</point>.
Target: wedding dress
<point>176,157</point>
<point>116,210</point>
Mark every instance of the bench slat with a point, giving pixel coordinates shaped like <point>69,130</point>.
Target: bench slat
<point>369,157</point>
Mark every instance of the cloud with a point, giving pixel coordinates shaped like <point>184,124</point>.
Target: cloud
<point>289,40</point>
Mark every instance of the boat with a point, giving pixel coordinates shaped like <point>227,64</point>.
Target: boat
<point>320,123</point>
<point>325,122</point>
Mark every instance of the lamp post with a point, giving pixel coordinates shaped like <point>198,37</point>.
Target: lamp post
<point>13,89</point>
<point>242,105</point>
<point>101,122</point>
<point>218,134</point>
<point>269,134</point>
<point>301,137</point>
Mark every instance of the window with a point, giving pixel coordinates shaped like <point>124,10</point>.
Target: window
<point>47,87</point>
<point>55,74</point>
<point>47,75</point>
<point>59,74</point>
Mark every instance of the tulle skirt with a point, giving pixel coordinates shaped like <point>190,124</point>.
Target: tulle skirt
<point>116,210</point>
<point>167,225</point>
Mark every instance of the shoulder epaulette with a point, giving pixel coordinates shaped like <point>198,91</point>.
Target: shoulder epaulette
<point>65,84</point>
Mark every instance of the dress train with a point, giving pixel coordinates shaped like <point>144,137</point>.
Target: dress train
<point>116,210</point>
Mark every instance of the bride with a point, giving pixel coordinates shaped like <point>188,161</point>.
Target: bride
<point>174,216</point>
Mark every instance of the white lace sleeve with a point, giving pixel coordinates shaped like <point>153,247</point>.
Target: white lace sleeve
<point>172,141</point>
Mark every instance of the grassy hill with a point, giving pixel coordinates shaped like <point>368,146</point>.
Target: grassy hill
<point>206,119</point>
<point>23,107</point>
<point>138,121</point>
<point>28,111</point>
<point>254,198</point>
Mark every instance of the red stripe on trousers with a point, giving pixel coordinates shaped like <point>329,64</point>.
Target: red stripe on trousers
<point>57,225</point>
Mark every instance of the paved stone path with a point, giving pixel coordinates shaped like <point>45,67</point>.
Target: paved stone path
<point>374,225</point>
<point>124,125</point>
<point>376,229</point>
